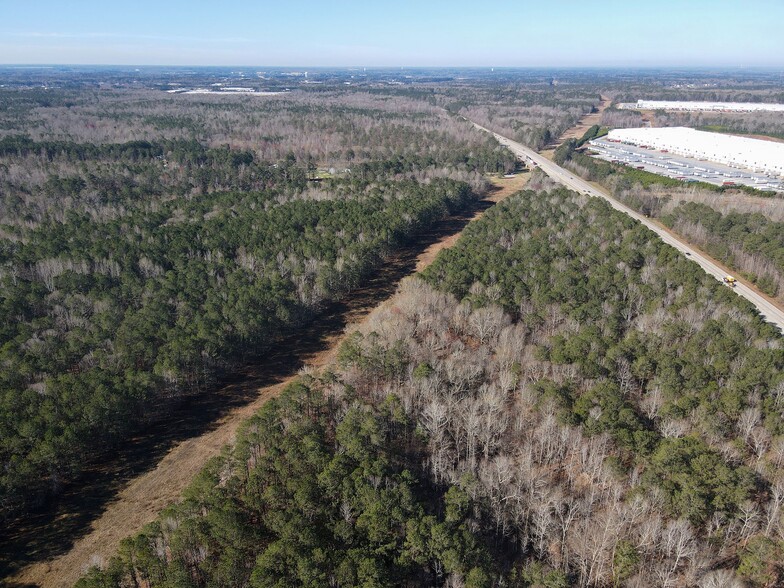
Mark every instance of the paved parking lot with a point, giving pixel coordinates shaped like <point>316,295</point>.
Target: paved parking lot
<point>683,168</point>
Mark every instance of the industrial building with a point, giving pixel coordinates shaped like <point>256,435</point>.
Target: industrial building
<point>679,167</point>
<point>738,152</point>
<point>702,106</point>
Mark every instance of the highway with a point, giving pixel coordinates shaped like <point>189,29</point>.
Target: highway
<point>772,313</point>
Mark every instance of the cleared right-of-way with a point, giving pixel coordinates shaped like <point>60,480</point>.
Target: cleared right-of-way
<point>770,311</point>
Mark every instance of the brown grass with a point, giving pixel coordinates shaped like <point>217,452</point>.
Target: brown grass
<point>586,122</point>
<point>144,496</point>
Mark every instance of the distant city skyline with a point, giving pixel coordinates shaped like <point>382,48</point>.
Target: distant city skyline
<point>559,33</point>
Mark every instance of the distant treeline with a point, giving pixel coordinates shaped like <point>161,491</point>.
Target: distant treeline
<point>133,272</point>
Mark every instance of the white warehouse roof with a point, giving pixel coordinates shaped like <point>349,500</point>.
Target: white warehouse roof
<point>704,106</point>
<point>754,154</point>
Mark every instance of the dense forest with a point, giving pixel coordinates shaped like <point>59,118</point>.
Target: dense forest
<point>560,400</point>
<point>318,492</point>
<point>751,242</point>
<point>150,241</point>
<point>102,152</point>
<point>141,255</point>
<point>535,117</point>
<point>741,228</point>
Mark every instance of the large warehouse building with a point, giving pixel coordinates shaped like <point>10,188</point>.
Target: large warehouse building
<point>740,152</point>
<point>703,106</point>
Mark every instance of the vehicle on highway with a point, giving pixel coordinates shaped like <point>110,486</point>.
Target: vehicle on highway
<point>768,310</point>
<point>730,281</point>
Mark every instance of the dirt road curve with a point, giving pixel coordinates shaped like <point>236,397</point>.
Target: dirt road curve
<point>770,310</point>
<point>140,500</point>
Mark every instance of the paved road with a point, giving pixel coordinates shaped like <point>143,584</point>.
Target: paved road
<point>771,312</point>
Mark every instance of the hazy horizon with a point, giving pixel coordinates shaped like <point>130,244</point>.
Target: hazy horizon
<point>353,66</point>
<point>607,34</point>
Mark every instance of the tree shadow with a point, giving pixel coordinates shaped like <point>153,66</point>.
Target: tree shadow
<point>52,530</point>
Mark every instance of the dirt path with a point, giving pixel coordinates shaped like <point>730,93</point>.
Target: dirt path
<point>586,122</point>
<point>505,187</point>
<point>118,498</point>
<point>576,132</point>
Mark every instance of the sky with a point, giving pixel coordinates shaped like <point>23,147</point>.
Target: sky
<point>519,33</point>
